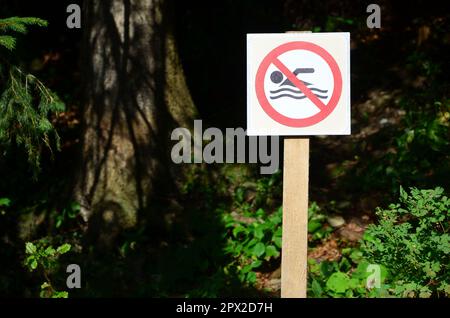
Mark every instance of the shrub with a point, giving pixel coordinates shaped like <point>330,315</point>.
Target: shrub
<point>411,240</point>
<point>44,257</point>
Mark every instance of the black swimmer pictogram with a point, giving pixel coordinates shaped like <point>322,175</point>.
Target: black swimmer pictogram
<point>288,89</point>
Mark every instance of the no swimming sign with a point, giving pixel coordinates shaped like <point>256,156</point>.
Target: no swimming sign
<point>298,84</point>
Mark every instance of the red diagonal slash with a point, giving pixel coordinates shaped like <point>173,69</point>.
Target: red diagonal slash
<point>305,90</point>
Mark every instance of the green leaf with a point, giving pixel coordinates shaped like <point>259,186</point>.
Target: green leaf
<point>327,268</point>
<point>251,243</point>
<point>316,288</point>
<point>251,277</point>
<point>447,290</point>
<point>74,210</point>
<point>63,294</point>
<point>5,202</point>
<point>59,221</point>
<point>313,226</point>
<point>278,232</point>
<point>338,282</point>
<point>276,219</point>
<point>360,271</point>
<point>259,233</point>
<point>356,256</point>
<point>238,229</point>
<point>49,251</point>
<point>425,292</point>
<point>30,248</point>
<point>34,264</point>
<point>353,283</point>
<point>272,251</point>
<point>256,264</point>
<point>260,213</point>
<point>403,194</point>
<point>64,248</point>
<point>247,268</point>
<point>259,249</point>
<point>277,241</point>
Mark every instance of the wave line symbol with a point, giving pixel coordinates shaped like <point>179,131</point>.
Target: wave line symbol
<point>292,91</point>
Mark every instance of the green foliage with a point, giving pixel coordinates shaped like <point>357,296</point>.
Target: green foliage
<point>25,102</point>
<point>416,150</point>
<point>24,108</point>
<point>16,25</point>
<point>264,191</point>
<point>68,213</point>
<point>413,243</point>
<point>317,224</point>
<point>253,242</point>
<point>419,149</point>
<point>8,42</point>
<point>41,256</point>
<point>338,23</point>
<point>426,133</point>
<point>5,202</point>
<point>344,278</point>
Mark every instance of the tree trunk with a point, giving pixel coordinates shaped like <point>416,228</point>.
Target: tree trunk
<point>135,94</point>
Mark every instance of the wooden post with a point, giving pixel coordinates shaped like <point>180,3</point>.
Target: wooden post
<point>295,217</point>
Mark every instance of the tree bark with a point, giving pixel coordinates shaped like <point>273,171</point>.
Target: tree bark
<point>135,94</point>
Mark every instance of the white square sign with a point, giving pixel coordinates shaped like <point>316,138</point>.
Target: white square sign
<point>298,84</point>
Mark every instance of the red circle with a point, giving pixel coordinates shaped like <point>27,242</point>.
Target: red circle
<point>298,122</point>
